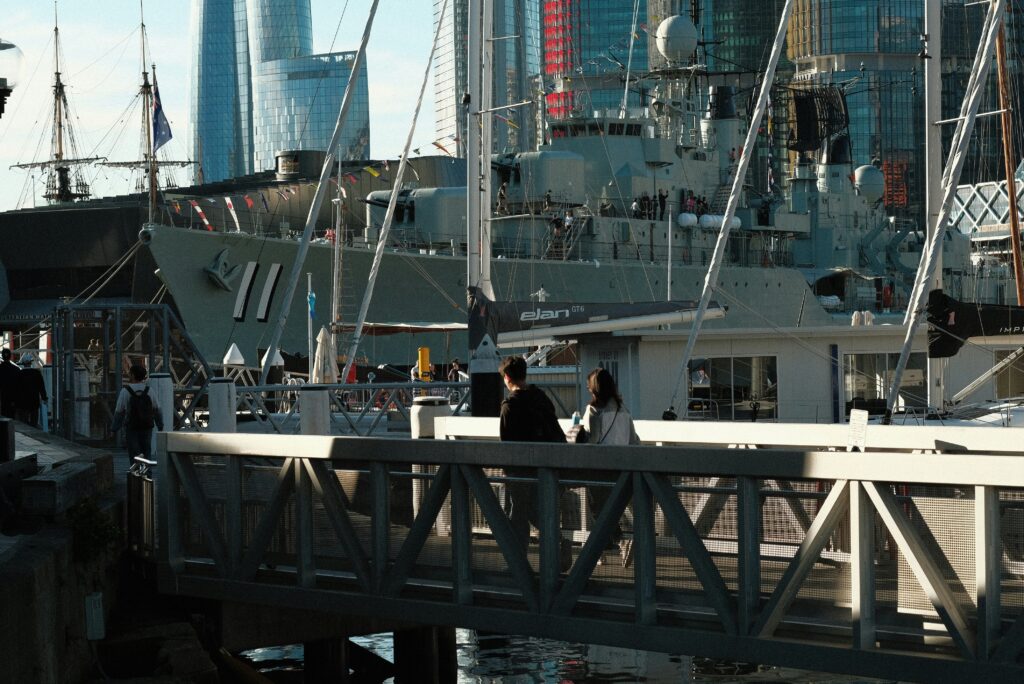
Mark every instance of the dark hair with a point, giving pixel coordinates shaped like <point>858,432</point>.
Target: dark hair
<point>514,367</point>
<point>602,388</point>
<point>137,372</point>
<point>5,354</point>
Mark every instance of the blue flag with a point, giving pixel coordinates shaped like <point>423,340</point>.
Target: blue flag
<point>311,298</point>
<point>161,129</point>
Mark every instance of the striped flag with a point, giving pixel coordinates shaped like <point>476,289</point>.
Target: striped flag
<point>282,195</point>
<point>231,208</point>
<point>202,214</point>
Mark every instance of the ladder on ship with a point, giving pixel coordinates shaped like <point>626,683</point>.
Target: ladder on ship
<point>348,309</point>
<point>721,198</point>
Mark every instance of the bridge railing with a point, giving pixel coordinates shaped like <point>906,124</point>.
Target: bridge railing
<point>884,563</point>
<point>359,409</point>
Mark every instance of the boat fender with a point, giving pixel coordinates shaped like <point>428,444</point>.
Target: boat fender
<point>714,222</point>
<point>686,220</point>
<point>145,236</point>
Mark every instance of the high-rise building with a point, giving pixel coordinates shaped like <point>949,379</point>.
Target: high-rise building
<point>872,51</point>
<point>258,88</point>
<point>515,73</point>
<point>221,106</point>
<point>591,49</point>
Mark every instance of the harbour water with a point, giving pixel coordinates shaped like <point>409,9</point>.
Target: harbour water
<point>508,659</point>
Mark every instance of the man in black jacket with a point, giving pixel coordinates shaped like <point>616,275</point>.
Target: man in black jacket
<point>9,372</point>
<point>527,415</point>
<point>31,391</point>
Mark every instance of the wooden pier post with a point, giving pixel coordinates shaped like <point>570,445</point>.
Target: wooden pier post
<point>314,411</point>
<point>326,660</point>
<point>223,400</point>
<point>425,655</point>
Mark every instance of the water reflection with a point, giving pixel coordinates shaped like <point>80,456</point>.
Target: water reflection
<point>508,659</point>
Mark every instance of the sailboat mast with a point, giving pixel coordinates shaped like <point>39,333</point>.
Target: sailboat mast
<point>318,197</point>
<point>58,93</point>
<point>718,255</point>
<point>150,156</point>
<point>478,147</point>
<point>1011,185</point>
<point>933,172</point>
<point>929,273</point>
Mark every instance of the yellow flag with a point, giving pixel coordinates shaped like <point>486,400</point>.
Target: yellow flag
<point>372,171</point>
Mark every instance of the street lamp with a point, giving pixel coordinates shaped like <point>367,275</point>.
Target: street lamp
<point>10,68</point>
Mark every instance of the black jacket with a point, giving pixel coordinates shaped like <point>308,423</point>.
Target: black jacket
<point>9,373</point>
<point>31,388</point>
<point>527,415</point>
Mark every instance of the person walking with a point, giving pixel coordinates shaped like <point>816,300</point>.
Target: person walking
<point>31,391</point>
<point>608,421</point>
<point>8,385</point>
<point>137,410</point>
<point>662,201</point>
<point>527,415</point>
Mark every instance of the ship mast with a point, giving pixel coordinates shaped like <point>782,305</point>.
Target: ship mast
<point>1011,185</point>
<point>147,161</point>
<point>62,183</point>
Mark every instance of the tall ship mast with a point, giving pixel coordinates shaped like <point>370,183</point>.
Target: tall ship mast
<point>154,134</point>
<point>64,179</point>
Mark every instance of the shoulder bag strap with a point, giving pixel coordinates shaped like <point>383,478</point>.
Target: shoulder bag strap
<point>609,425</point>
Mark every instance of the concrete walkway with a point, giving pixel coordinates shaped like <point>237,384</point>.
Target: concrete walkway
<point>50,450</point>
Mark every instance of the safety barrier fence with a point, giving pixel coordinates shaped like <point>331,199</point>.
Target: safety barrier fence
<point>891,563</point>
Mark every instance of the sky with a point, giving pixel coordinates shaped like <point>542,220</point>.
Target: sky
<point>101,70</point>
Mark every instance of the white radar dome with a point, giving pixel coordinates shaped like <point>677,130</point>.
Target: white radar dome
<point>676,38</point>
<point>870,182</point>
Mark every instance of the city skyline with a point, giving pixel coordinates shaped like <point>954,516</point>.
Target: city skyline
<point>102,75</point>
<point>261,88</point>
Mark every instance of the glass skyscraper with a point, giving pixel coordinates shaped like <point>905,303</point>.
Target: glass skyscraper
<point>221,103</point>
<point>588,46</point>
<point>515,73</point>
<point>871,50</point>
<point>259,89</point>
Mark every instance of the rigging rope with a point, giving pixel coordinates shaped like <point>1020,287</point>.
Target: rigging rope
<point>390,213</point>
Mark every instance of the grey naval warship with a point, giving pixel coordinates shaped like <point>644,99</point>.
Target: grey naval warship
<point>614,206</point>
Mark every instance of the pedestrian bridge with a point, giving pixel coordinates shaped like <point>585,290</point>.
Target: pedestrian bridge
<point>764,543</point>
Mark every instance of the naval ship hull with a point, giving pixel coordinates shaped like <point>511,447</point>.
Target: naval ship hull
<point>228,287</point>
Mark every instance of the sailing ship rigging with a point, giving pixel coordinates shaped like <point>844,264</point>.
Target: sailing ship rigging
<point>65,181</point>
<point>154,134</point>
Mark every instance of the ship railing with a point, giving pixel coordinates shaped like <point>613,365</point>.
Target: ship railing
<point>356,409</point>
<point>899,557</point>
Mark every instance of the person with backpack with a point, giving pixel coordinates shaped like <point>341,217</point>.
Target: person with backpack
<point>527,415</point>
<point>137,410</point>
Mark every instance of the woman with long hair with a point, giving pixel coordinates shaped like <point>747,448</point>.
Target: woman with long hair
<point>608,421</point>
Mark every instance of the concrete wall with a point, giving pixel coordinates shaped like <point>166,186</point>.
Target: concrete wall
<point>42,600</point>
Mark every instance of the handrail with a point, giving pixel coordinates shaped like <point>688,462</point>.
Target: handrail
<point>734,553</point>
